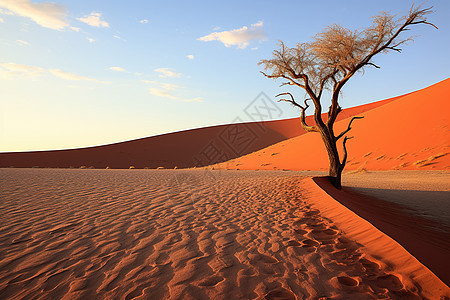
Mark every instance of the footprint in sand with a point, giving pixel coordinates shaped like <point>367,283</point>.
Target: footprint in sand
<point>300,231</point>
<point>310,243</point>
<point>370,267</point>
<point>390,282</point>
<point>292,243</point>
<point>347,281</point>
<point>279,293</point>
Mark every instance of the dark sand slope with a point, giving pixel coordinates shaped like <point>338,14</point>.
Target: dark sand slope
<point>141,234</point>
<point>183,149</point>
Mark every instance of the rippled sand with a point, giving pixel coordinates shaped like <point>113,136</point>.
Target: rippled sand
<point>160,234</point>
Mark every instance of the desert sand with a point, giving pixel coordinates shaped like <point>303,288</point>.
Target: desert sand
<point>199,234</point>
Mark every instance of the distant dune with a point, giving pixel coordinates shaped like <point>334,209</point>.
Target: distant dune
<point>189,148</point>
<point>410,133</point>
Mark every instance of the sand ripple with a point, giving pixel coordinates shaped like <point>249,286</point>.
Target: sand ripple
<point>142,234</point>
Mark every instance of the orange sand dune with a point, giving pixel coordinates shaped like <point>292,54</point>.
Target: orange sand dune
<point>409,133</point>
<point>198,234</point>
<point>183,149</point>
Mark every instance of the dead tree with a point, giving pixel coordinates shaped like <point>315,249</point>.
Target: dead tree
<point>328,62</point>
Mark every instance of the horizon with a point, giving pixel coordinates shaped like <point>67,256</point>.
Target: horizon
<point>96,74</point>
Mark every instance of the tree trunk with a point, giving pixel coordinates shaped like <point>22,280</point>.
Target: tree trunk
<point>335,170</point>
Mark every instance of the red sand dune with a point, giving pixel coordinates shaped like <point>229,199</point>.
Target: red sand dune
<point>409,133</point>
<point>189,148</point>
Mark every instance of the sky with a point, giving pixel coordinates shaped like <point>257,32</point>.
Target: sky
<point>84,73</point>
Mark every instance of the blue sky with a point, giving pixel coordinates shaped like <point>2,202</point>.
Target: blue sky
<point>83,73</point>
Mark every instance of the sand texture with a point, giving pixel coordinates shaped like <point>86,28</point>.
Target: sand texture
<point>141,234</point>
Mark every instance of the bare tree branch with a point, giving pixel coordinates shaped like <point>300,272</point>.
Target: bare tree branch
<point>292,101</point>
<point>305,126</point>
<point>344,145</point>
<point>348,128</point>
<point>285,77</point>
<point>374,65</point>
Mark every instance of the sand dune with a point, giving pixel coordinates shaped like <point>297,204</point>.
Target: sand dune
<point>410,133</point>
<point>196,147</point>
<point>141,234</point>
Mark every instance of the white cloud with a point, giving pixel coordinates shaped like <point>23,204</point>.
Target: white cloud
<point>75,28</point>
<point>1,20</point>
<point>119,38</point>
<point>166,72</point>
<point>118,69</point>
<point>240,37</point>
<point>94,19</point>
<point>10,70</point>
<point>71,76</point>
<point>254,48</point>
<point>166,94</point>
<point>163,93</point>
<point>171,86</point>
<point>47,14</point>
<point>190,56</point>
<point>91,40</point>
<point>22,43</point>
<point>144,21</point>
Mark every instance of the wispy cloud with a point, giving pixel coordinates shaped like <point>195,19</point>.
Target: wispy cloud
<point>166,72</point>
<point>47,14</point>
<point>71,76</point>
<point>144,21</point>
<point>91,40</point>
<point>118,69</point>
<point>22,43</point>
<point>167,94</point>
<point>1,20</point>
<point>164,85</point>
<point>163,93</point>
<point>119,38</point>
<point>190,56</point>
<point>94,19</point>
<point>238,37</point>
<point>12,70</point>
<point>165,90</point>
